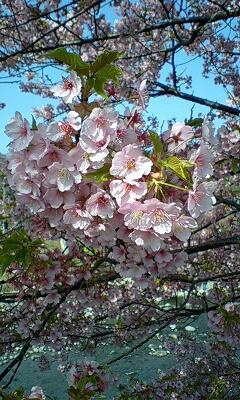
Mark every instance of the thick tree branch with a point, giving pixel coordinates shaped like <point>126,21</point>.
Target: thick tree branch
<point>165,89</point>
<point>228,202</point>
<point>214,244</point>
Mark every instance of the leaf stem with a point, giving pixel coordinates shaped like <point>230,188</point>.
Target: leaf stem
<point>174,186</point>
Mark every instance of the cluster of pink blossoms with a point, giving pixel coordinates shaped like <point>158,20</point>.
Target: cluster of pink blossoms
<point>88,372</point>
<point>142,209</point>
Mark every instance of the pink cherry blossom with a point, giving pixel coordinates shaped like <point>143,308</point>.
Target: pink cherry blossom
<point>118,253</point>
<point>39,145</point>
<point>15,161</point>
<point>69,88</point>
<point>55,198</point>
<point>19,130</point>
<point>178,136</point>
<point>147,239</point>
<point>163,256</point>
<point>53,215</point>
<point>97,132</point>
<point>126,192</point>
<point>130,163</point>
<point>178,260</point>
<point>124,135</point>
<point>37,393</point>
<point>52,155</point>
<point>201,198</point>
<point>63,175</point>
<point>182,227</point>
<point>100,204</point>
<point>141,88</point>
<point>26,185</point>
<point>202,160</point>
<point>33,203</point>
<point>135,216</point>
<point>76,216</point>
<point>100,123</point>
<point>84,160</point>
<point>161,215</point>
<point>56,131</point>
<point>52,298</point>
<point>74,120</point>
<point>208,133</point>
<point>97,149</point>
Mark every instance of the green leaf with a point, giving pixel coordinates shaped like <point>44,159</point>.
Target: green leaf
<point>17,248</point>
<point>157,143</point>
<point>179,167</point>
<point>89,85</point>
<point>104,59</point>
<point>109,72</point>
<point>235,165</point>
<point>34,124</point>
<point>100,175</point>
<point>17,394</point>
<point>196,122</point>
<point>74,61</point>
<point>99,88</point>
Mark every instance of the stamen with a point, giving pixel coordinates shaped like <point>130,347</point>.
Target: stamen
<point>131,164</point>
<point>67,84</point>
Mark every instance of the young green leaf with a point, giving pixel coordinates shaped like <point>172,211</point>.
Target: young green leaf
<point>104,59</point>
<point>235,165</point>
<point>178,167</point>
<point>74,61</point>
<point>17,247</point>
<point>34,124</point>
<point>109,72</point>
<point>195,122</point>
<point>157,143</point>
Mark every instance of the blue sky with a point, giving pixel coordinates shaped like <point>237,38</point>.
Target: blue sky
<point>162,107</point>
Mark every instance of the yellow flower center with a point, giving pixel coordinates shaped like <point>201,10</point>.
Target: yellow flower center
<point>64,173</point>
<point>131,164</point>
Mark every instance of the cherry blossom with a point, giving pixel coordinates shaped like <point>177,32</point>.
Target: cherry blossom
<point>161,215</point>
<point>69,88</point>
<point>202,160</point>
<point>76,216</point>
<point>19,130</point>
<point>63,175</point>
<point>100,123</point>
<point>124,135</point>
<point>52,155</point>
<point>178,136</point>
<point>55,198</point>
<point>147,239</point>
<point>52,298</point>
<point>26,185</point>
<point>130,163</point>
<point>182,227</point>
<point>121,232</point>
<point>201,199</point>
<point>135,216</point>
<point>140,90</point>
<point>126,192</point>
<point>56,131</point>
<point>100,204</point>
<point>37,393</point>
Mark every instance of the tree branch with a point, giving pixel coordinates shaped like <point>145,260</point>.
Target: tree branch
<point>195,99</point>
<point>201,20</point>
